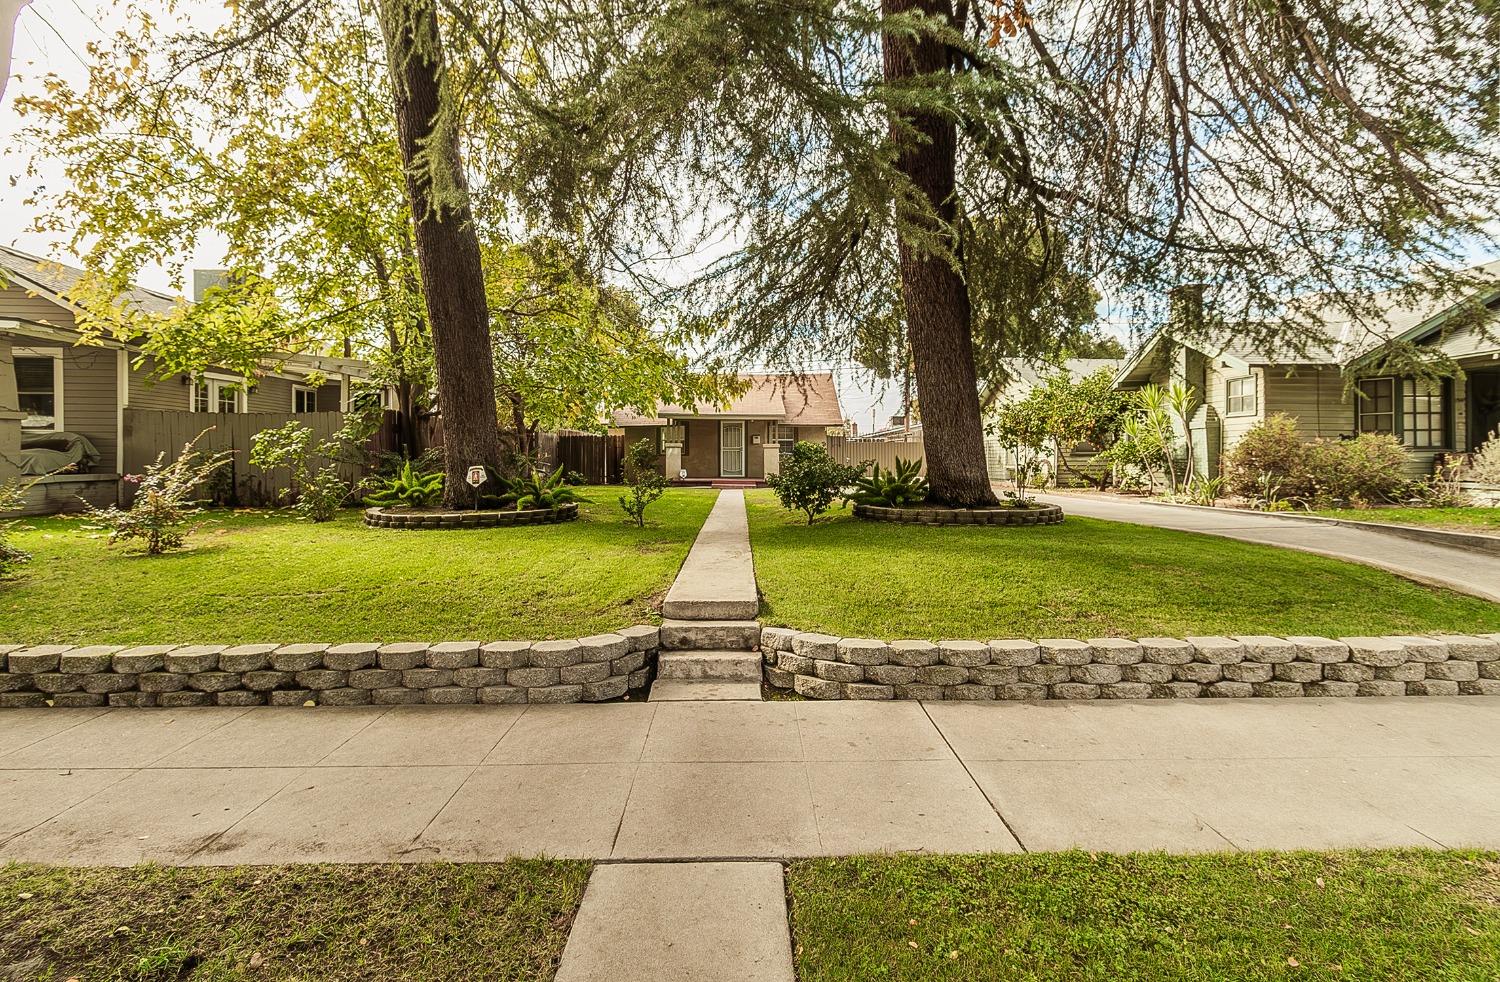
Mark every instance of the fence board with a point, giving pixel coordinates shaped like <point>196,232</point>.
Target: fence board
<point>882,452</point>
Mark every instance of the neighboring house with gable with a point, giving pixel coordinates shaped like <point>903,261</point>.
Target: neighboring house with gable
<point>741,441</point>
<point>65,407</point>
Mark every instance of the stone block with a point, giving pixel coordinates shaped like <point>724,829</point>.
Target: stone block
<point>506,654</point>
<point>55,682</point>
<point>1116,651</point>
<point>993,675</point>
<point>399,696</point>
<point>291,697</point>
<point>1469,647</point>
<point>5,650</point>
<point>1229,690</point>
<point>1266,649</point>
<point>1166,651</point>
<point>403,655</point>
<point>554,694</point>
<point>1375,652</point>
<point>1014,652</point>
<point>351,657</point>
<point>213,681</point>
<point>37,659</point>
<point>183,698</point>
<point>1065,651</point>
<point>917,690</point>
<point>298,657</point>
<point>193,658</point>
<point>816,688</point>
<point>1044,674</point>
<point>1280,689</point>
<point>635,661</point>
<point>106,682</point>
<point>1021,692</point>
<point>244,658</point>
<point>613,687</point>
<point>15,683</point>
<point>478,678</point>
<point>968,692</point>
<point>780,678</point>
<point>452,695</point>
<point>834,671</point>
<point>162,682</point>
<point>78,700</point>
<point>777,638</point>
<point>24,700</point>
<point>1432,687</point>
<point>1125,690</point>
<point>239,697</point>
<point>810,644</point>
<point>1176,690</point>
<point>1454,670</point>
<point>641,637</point>
<point>603,648</point>
<point>266,681</point>
<point>796,664</point>
<point>1146,672</point>
<point>1074,690</point>
<point>322,678</point>
<point>1097,674</point>
<point>374,678</point>
<point>1249,671</point>
<point>1348,671</point>
<point>1216,650</point>
<point>963,654</point>
<point>1331,689</point>
<point>914,654</point>
<point>344,697</point>
<point>891,674</point>
<point>863,651</point>
<point>88,661</point>
<point>1322,651</point>
<point>942,675</point>
<point>556,654</point>
<point>431,678</point>
<point>1410,671</point>
<point>1479,687</point>
<point>501,695</point>
<point>453,654</point>
<point>1420,649</point>
<point>132,700</point>
<point>1489,670</point>
<point>583,672</point>
<point>640,679</point>
<point>1198,672</point>
<point>141,658</point>
<point>529,677</point>
<point>1381,687</point>
<point>869,691</point>
<point>1299,671</point>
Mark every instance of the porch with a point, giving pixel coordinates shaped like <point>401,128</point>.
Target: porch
<point>740,452</point>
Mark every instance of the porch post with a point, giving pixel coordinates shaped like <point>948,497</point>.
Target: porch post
<point>10,414</point>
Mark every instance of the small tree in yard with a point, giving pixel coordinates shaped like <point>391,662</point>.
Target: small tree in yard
<point>646,482</point>
<point>315,476</point>
<point>164,499</point>
<point>1023,429</point>
<point>12,556</point>
<point>810,479</point>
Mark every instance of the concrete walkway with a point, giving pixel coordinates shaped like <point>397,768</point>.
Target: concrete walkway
<point>1457,569</point>
<point>706,781</point>
<point>717,580</point>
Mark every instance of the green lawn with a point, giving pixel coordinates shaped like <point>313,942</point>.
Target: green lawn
<point>507,921</point>
<point>1083,578</point>
<point>1256,916</point>
<point>1485,520</point>
<point>266,576</point>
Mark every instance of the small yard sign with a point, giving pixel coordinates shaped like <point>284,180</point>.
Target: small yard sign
<point>476,475</point>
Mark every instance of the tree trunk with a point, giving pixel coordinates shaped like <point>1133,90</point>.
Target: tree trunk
<point>938,316</point>
<point>447,246</point>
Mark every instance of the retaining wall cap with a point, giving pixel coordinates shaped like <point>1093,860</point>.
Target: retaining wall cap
<point>403,648</point>
<point>302,649</point>
<point>354,648</point>
<point>913,645</point>
<point>1470,646</point>
<point>250,649</point>
<point>505,646</point>
<point>455,647</point>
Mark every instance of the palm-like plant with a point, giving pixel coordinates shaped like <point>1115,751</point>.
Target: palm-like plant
<point>536,491</point>
<point>409,488</point>
<point>899,487</point>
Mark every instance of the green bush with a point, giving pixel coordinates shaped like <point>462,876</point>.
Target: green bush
<point>536,491</point>
<point>900,487</point>
<point>810,479</point>
<point>646,483</point>
<point>1269,453</point>
<point>317,489</point>
<point>1370,468</point>
<point>408,488</point>
<point>165,498</point>
<point>12,556</point>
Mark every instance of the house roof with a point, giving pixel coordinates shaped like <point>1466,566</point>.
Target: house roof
<point>810,399</point>
<point>50,277</point>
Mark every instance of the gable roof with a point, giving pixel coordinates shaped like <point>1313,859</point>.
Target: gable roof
<point>54,280</point>
<point>800,400</point>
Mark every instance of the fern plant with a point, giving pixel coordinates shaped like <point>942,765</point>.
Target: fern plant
<point>408,488</point>
<point>536,491</point>
<point>899,487</point>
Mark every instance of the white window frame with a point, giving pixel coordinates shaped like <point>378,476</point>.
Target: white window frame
<point>784,435</point>
<point>1229,396</point>
<point>301,390</point>
<point>56,354</point>
<point>216,384</point>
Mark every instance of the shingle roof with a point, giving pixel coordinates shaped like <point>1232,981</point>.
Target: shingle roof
<point>60,279</point>
<point>803,400</point>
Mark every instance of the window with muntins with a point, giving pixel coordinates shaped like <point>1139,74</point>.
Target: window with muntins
<point>1240,394</point>
<point>1377,405</point>
<point>1424,419</point>
<point>304,399</point>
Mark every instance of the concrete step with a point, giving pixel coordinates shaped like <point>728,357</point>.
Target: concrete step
<point>703,690</point>
<point>710,610</point>
<point>731,635</point>
<point>718,666</point>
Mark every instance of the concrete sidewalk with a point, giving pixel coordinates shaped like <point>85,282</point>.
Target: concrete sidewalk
<point>1457,569</point>
<point>743,780</point>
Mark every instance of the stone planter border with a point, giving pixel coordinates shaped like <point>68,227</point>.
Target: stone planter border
<point>598,668</point>
<point>819,666</point>
<point>1041,515</point>
<point>400,518</point>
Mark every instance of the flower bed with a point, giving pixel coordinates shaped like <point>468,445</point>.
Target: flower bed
<point>932,515</point>
<point>405,518</point>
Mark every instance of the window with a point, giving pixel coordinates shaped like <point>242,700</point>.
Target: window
<point>783,435</point>
<point>304,399</point>
<point>1376,406</point>
<point>213,394</point>
<point>1424,419</point>
<point>1240,396</point>
<point>39,379</point>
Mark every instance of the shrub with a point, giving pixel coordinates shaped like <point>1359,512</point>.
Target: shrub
<point>164,499</point>
<point>535,491</point>
<point>810,479</point>
<point>1269,453</point>
<point>408,488</point>
<point>899,487</point>
<point>12,556</point>
<point>1370,468</point>
<point>645,481</point>
<point>1483,467</point>
<point>316,486</point>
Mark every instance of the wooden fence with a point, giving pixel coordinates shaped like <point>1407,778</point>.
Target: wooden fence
<point>882,452</point>
<point>599,458</point>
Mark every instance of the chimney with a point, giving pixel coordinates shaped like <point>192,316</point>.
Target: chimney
<point>206,279</point>
<point>1185,308</point>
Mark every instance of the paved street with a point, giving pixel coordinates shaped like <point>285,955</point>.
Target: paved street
<point>744,780</point>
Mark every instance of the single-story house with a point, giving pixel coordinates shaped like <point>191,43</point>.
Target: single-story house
<point>65,405</point>
<point>1240,385</point>
<point>1000,460</point>
<point>743,439</point>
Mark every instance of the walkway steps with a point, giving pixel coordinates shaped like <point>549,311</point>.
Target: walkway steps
<point>710,635</point>
<point>704,690</point>
<point>727,666</point>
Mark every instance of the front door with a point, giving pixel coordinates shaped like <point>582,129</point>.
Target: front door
<point>731,449</point>
<point>1484,407</point>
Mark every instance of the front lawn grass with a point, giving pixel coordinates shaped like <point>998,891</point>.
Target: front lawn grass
<point>1084,578</point>
<point>506,921</point>
<point>1253,916</point>
<point>1483,520</point>
<point>267,576</point>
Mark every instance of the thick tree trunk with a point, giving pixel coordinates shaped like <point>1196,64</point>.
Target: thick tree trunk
<point>447,246</point>
<point>938,316</point>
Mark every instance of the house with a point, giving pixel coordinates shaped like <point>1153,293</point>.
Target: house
<point>743,439</point>
<point>66,408</point>
<point>1337,390</point>
<point>1000,460</point>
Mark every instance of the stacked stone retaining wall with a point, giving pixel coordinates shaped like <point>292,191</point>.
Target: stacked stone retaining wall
<point>592,669</point>
<point>820,666</point>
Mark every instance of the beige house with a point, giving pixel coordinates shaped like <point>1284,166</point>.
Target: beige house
<point>741,441</point>
<point>1240,385</point>
<point>66,407</point>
